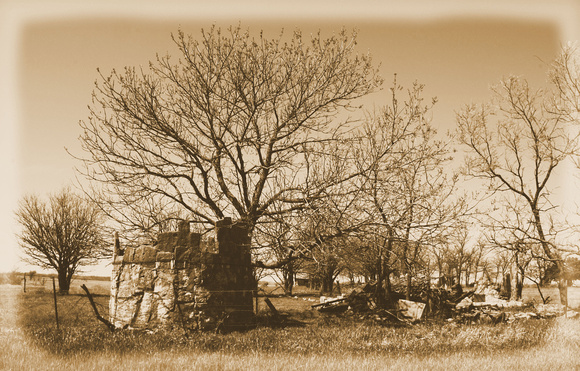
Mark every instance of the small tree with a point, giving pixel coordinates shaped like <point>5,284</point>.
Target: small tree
<point>62,234</point>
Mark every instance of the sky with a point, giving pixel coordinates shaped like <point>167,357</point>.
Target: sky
<point>51,51</point>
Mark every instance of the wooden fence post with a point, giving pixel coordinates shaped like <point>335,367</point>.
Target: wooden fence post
<point>24,281</point>
<point>55,306</point>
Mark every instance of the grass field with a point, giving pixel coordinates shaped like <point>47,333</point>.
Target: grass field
<point>101,286</point>
<point>321,343</point>
<point>325,343</point>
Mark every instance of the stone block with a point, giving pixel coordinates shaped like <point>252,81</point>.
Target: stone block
<point>126,309</point>
<point>146,280</point>
<point>181,253</point>
<point>167,241</point>
<point>143,310</point>
<point>145,255</point>
<point>128,256</point>
<point>164,256</point>
<point>411,309</point>
<point>126,286</point>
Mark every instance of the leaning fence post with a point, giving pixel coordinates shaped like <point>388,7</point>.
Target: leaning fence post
<point>55,306</point>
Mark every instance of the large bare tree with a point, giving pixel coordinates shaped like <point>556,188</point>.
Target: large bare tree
<point>516,144</point>
<point>223,130</point>
<point>64,234</point>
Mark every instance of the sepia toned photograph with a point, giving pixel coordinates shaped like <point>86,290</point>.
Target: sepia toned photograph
<point>316,185</point>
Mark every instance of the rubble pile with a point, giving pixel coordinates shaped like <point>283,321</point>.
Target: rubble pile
<point>483,305</point>
<point>439,302</point>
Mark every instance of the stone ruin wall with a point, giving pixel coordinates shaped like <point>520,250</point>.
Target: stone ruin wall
<point>185,280</point>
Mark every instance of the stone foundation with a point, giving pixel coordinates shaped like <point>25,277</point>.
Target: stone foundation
<point>185,280</point>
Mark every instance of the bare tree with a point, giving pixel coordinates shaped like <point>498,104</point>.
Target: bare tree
<point>408,194</point>
<point>565,76</point>
<point>329,223</point>
<point>224,130</point>
<point>459,254</point>
<point>518,155</point>
<point>511,233</point>
<point>64,234</point>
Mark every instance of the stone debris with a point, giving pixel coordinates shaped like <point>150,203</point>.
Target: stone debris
<point>555,310</point>
<point>481,306</point>
<point>411,309</point>
<point>495,310</point>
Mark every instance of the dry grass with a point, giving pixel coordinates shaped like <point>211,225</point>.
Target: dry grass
<point>559,352</point>
<point>324,343</point>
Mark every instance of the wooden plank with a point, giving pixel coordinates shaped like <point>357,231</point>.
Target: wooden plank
<point>328,302</point>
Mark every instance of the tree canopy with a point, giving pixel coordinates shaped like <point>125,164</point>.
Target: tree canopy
<point>64,233</point>
<point>224,130</point>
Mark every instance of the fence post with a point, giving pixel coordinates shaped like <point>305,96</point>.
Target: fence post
<point>55,306</point>
<point>566,306</point>
<point>24,281</point>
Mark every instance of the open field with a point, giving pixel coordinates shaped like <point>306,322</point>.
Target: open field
<point>44,284</point>
<point>531,294</point>
<point>31,341</point>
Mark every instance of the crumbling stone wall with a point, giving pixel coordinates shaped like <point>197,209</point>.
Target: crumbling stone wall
<point>185,280</point>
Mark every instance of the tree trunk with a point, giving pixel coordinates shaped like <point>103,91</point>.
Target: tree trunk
<point>388,289</point>
<point>507,286</point>
<point>514,285</point>
<point>553,256</point>
<point>326,274</point>
<point>63,281</point>
<point>385,282</point>
<point>351,278</point>
<point>379,289</point>
<point>326,284</point>
<point>409,286</point>
<point>440,281</point>
<point>520,285</point>
<point>406,271</point>
<point>563,288</point>
<point>288,276</point>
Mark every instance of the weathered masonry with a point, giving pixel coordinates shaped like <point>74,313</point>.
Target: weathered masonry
<point>185,280</point>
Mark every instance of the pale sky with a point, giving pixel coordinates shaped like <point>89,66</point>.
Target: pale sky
<point>51,50</point>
